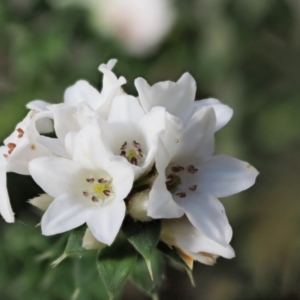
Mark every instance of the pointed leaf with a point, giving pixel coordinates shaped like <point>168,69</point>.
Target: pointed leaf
<point>140,275</point>
<point>74,245</point>
<point>144,236</point>
<point>114,265</point>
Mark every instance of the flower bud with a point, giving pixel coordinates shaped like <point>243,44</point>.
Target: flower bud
<point>138,206</point>
<point>89,242</point>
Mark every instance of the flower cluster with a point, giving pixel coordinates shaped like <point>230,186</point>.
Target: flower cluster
<point>99,156</point>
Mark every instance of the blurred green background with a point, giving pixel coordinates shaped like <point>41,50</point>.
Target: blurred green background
<point>245,53</point>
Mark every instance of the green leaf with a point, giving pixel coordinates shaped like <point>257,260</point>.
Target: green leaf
<point>140,277</point>
<point>74,245</point>
<point>143,236</point>
<point>114,265</point>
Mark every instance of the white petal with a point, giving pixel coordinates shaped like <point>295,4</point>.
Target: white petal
<point>38,105</point>
<point>180,232</point>
<point>66,212</point>
<point>82,91</point>
<point>65,120</point>
<point>5,207</point>
<point>42,202</point>
<point>223,176</point>
<point>55,175</point>
<point>123,176</point>
<point>177,97</point>
<point>207,214</point>
<point>125,109</point>
<point>106,221</point>
<point>223,112</point>
<point>89,150</point>
<point>54,145</point>
<point>197,141</point>
<point>161,203</point>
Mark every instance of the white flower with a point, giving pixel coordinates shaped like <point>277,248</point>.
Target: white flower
<point>132,134</point>
<point>19,148</point>
<point>179,99</point>
<point>191,243</point>
<point>190,178</point>
<point>90,188</point>
<point>139,25</point>
<point>82,91</point>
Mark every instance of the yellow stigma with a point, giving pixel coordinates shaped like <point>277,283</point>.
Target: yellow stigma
<point>100,187</point>
<point>131,154</point>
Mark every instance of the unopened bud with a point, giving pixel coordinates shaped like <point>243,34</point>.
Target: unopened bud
<point>138,206</point>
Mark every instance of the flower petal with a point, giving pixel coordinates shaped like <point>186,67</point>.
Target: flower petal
<point>207,214</point>
<point>125,109</point>
<point>180,232</point>
<point>223,112</point>
<point>222,176</point>
<point>106,221</point>
<point>55,175</point>
<point>5,207</point>
<point>82,91</point>
<point>42,202</point>
<point>66,212</point>
<point>177,97</point>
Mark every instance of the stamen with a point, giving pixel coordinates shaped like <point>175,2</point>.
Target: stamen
<point>191,169</point>
<point>136,144</point>
<point>170,179</point>
<point>177,169</point>
<point>140,152</point>
<point>11,147</point>
<point>21,132</point>
<point>134,161</point>
<point>124,146</point>
<point>85,193</point>
<point>95,199</point>
<point>181,194</point>
<point>5,155</point>
<point>90,180</point>
<point>193,187</point>
<point>123,153</point>
<point>102,180</point>
<point>106,192</point>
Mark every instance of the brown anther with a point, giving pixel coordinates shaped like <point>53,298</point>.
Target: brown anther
<point>193,187</point>
<point>102,180</point>
<point>140,152</point>
<point>177,169</point>
<point>90,180</point>
<point>170,179</point>
<point>11,146</point>
<point>136,144</point>
<point>123,153</point>
<point>21,132</point>
<point>134,161</point>
<point>10,151</point>
<point>191,169</point>
<point>5,155</point>
<point>33,147</point>
<point>95,199</point>
<point>181,194</point>
<point>106,192</point>
<point>85,193</point>
<point>124,146</point>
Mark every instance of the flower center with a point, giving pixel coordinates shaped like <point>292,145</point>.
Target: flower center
<point>180,180</point>
<point>133,153</point>
<point>97,189</point>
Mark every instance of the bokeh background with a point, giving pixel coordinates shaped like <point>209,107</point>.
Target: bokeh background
<point>244,52</point>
